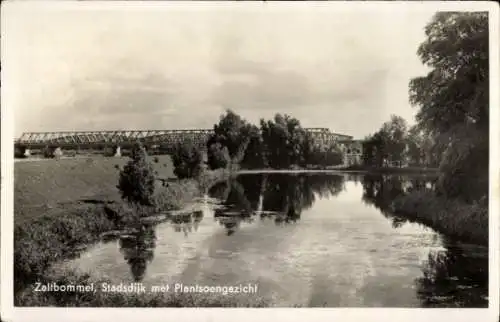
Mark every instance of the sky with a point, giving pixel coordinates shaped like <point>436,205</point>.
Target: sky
<point>72,68</point>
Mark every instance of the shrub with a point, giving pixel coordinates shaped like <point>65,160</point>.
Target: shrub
<point>53,237</point>
<point>218,156</point>
<point>109,151</point>
<point>19,153</point>
<point>156,160</point>
<point>48,152</point>
<point>137,179</point>
<point>452,217</point>
<point>330,156</point>
<point>187,160</point>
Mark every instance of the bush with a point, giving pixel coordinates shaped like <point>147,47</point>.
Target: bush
<point>187,160</point>
<point>218,156</point>
<point>452,217</point>
<point>48,152</point>
<point>53,237</point>
<point>137,179</point>
<point>324,157</point>
<point>109,151</point>
<point>19,153</point>
<point>156,160</point>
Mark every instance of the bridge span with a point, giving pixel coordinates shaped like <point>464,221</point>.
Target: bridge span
<point>162,141</point>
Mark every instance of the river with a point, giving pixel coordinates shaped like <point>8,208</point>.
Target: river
<point>308,240</point>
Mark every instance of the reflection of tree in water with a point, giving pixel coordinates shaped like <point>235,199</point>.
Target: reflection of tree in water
<point>197,218</point>
<point>237,207</point>
<point>456,277</point>
<point>138,250</point>
<point>292,194</point>
<point>453,277</point>
<point>380,191</point>
<point>186,222</point>
<point>283,197</point>
<point>183,223</point>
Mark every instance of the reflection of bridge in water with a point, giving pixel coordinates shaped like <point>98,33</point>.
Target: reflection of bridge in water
<point>160,141</point>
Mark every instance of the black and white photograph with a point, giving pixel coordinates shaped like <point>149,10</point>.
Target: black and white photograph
<point>250,155</point>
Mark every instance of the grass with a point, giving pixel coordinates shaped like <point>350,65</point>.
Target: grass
<point>210,178</point>
<point>55,235</point>
<point>46,186</point>
<point>85,203</point>
<point>453,218</point>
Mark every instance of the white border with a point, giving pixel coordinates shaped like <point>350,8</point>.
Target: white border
<point>8,313</point>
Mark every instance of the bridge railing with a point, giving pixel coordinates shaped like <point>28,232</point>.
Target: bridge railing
<point>149,136</point>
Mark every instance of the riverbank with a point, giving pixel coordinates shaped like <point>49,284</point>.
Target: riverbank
<point>60,234</point>
<point>347,169</point>
<point>452,218</point>
<point>390,170</point>
<point>56,236</point>
<point>63,206</point>
<point>57,185</point>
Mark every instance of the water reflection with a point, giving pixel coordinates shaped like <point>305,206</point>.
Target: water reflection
<point>381,190</point>
<point>138,249</point>
<point>456,276</point>
<point>280,197</point>
<point>182,223</point>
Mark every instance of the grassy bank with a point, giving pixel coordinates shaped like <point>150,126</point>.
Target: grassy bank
<point>59,234</point>
<point>29,297</point>
<point>42,187</point>
<point>453,218</point>
<point>355,168</point>
<point>61,206</point>
<point>390,170</point>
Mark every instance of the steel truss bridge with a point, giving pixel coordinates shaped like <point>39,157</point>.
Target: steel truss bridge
<point>162,139</point>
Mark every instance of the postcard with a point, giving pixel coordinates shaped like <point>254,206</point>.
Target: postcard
<point>221,161</point>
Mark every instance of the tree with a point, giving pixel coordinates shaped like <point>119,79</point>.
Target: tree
<point>254,157</point>
<point>137,179</point>
<point>375,149</point>
<point>284,141</point>
<point>395,132</point>
<point>237,136</point>
<point>420,148</point>
<point>453,100</point>
<point>218,156</point>
<point>187,160</point>
<point>416,153</point>
<point>323,155</point>
<point>231,132</point>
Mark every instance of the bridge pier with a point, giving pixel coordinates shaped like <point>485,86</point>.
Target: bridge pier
<point>58,152</point>
<point>118,151</point>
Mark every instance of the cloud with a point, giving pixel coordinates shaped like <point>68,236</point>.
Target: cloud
<point>346,71</point>
<point>150,95</point>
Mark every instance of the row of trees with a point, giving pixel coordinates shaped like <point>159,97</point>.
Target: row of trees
<point>279,143</point>
<point>395,143</point>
